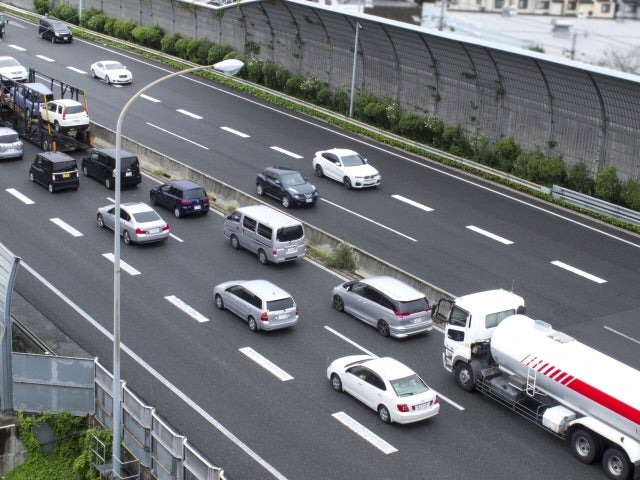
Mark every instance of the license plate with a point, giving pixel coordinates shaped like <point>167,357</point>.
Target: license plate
<point>291,250</point>
<point>66,175</point>
<point>418,320</point>
<point>309,200</point>
<point>282,317</point>
<point>197,207</point>
<point>422,406</point>
<point>154,230</point>
<point>128,174</point>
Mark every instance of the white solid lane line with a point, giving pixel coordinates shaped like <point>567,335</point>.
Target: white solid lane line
<point>151,99</point>
<point>235,132</point>
<point>77,70</point>
<point>189,114</point>
<point>365,433</point>
<point>46,59</point>
<point>266,364</point>
<point>192,312</point>
<point>490,235</point>
<point>577,271</point>
<point>178,136</point>
<point>622,335</point>
<point>123,265</point>
<point>23,198</point>
<point>287,152</point>
<point>369,220</point>
<point>66,227</point>
<point>412,203</point>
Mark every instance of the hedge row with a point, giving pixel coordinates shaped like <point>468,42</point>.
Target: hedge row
<point>505,154</point>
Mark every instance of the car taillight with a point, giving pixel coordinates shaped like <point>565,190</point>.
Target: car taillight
<point>140,231</point>
<point>428,309</point>
<point>185,202</point>
<point>274,252</point>
<point>296,310</point>
<point>403,407</point>
<point>64,112</point>
<point>166,227</point>
<point>264,317</point>
<point>401,315</point>
<point>436,401</point>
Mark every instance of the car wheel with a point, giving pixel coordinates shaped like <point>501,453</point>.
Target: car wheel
<point>253,325</point>
<point>336,383</point>
<point>262,257</point>
<point>126,237</point>
<point>319,171</point>
<point>234,242</point>
<point>53,39</point>
<point>50,187</point>
<point>106,79</point>
<point>464,377</point>
<point>85,171</point>
<point>219,302</point>
<point>338,303</point>
<point>42,35</point>
<point>347,183</point>
<point>108,183</point>
<point>56,126</point>
<point>177,212</point>
<point>286,202</point>
<point>46,144</point>
<point>93,73</point>
<point>616,464</point>
<point>100,221</point>
<point>383,328</point>
<point>31,177</point>
<point>585,446</point>
<point>259,189</point>
<point>384,414</point>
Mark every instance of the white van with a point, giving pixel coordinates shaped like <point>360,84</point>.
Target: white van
<point>273,236</point>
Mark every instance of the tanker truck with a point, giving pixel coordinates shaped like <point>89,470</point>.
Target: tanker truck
<point>567,388</point>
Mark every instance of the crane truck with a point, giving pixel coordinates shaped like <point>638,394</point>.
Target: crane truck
<point>569,389</point>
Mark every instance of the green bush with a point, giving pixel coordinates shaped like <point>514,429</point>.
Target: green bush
<point>505,151</point>
<point>376,114</point>
<point>254,70</point>
<point>41,7</point>
<point>149,36</point>
<point>342,258</point>
<point>630,194</point>
<point>217,53</point>
<point>109,25</point>
<point>202,52</point>
<point>550,171</point>
<point>482,152</point>
<point>123,28</point>
<point>362,99</point>
<point>434,129</point>
<point>456,142</point>
<point>579,179</point>
<point>292,87</point>
<point>607,185</point>
<point>168,43</point>
<point>310,87</point>
<point>87,15</point>
<point>187,48</point>
<point>66,12</point>
<point>323,97</point>
<point>97,22</point>
<point>340,103</point>
<point>526,165</point>
<point>412,125</point>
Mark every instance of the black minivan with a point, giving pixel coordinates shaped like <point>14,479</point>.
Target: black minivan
<point>101,165</point>
<point>54,170</point>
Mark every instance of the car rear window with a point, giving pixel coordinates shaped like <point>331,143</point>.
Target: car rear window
<point>142,217</point>
<point>413,306</point>
<point>129,162</point>
<point>74,109</point>
<point>280,304</point>
<point>9,138</point>
<point>195,193</point>
<point>64,166</point>
<point>287,234</point>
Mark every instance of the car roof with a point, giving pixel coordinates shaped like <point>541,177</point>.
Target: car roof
<point>341,152</point>
<point>280,168</point>
<point>135,207</point>
<point>185,184</point>
<point>111,152</point>
<point>67,101</point>
<point>7,131</point>
<point>56,156</point>
<point>388,367</point>
<point>265,289</point>
<point>39,87</point>
<point>394,288</point>
<point>268,216</point>
<point>492,301</point>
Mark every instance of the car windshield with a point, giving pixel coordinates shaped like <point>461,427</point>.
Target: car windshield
<point>9,138</point>
<point>413,306</point>
<point>280,304</point>
<point>352,160</point>
<point>287,234</point>
<point>407,386</point>
<point>60,27</point>
<point>113,66</point>
<point>144,217</point>
<point>9,62</point>
<point>64,166</point>
<point>74,109</point>
<point>292,179</point>
<point>194,193</point>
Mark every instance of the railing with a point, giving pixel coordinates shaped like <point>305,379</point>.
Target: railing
<point>596,205</point>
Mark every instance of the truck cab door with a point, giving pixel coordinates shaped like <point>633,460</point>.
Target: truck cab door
<point>457,323</point>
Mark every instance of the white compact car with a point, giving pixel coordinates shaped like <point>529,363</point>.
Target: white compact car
<point>64,114</point>
<point>387,386</point>
<point>13,70</point>
<point>347,167</point>
<point>111,71</point>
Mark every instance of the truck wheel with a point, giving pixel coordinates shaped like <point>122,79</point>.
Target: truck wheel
<point>464,377</point>
<point>616,464</point>
<point>585,446</point>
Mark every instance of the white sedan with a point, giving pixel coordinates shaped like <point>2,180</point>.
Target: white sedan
<point>387,386</point>
<point>111,72</point>
<point>347,167</point>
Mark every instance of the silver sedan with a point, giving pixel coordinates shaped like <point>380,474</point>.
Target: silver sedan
<point>139,223</point>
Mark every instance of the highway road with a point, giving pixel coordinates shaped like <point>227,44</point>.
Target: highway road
<point>288,425</point>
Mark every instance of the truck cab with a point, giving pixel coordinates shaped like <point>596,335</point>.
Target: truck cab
<point>469,323</point>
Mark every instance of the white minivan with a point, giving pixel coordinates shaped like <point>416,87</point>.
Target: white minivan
<point>272,235</point>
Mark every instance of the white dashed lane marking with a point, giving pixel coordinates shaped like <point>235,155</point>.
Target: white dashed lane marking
<point>66,227</point>
<point>412,203</point>
<point>490,235</point>
<point>151,99</point>
<point>77,70</point>
<point>23,198</point>
<point>365,433</point>
<point>193,313</point>
<point>123,265</point>
<point>46,59</point>
<point>189,114</point>
<point>266,364</point>
<point>577,271</point>
<point>235,132</point>
<point>287,152</point>
<point>16,47</point>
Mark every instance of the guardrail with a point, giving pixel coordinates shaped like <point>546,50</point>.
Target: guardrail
<point>596,205</point>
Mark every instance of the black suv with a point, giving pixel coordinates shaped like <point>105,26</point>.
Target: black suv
<point>101,165</point>
<point>54,170</point>
<point>181,196</point>
<point>286,185</point>
<point>54,30</point>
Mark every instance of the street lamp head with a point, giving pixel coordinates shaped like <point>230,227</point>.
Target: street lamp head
<point>230,66</point>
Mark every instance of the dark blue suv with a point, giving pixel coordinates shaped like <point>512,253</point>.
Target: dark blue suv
<point>182,196</point>
<point>286,185</point>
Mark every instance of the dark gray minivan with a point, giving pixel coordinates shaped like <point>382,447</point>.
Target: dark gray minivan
<point>101,165</point>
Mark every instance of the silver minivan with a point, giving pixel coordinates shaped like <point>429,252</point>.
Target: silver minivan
<point>260,303</point>
<point>393,307</point>
<point>272,235</point>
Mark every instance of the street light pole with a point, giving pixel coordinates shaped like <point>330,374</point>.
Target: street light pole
<point>353,71</point>
<point>229,67</point>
